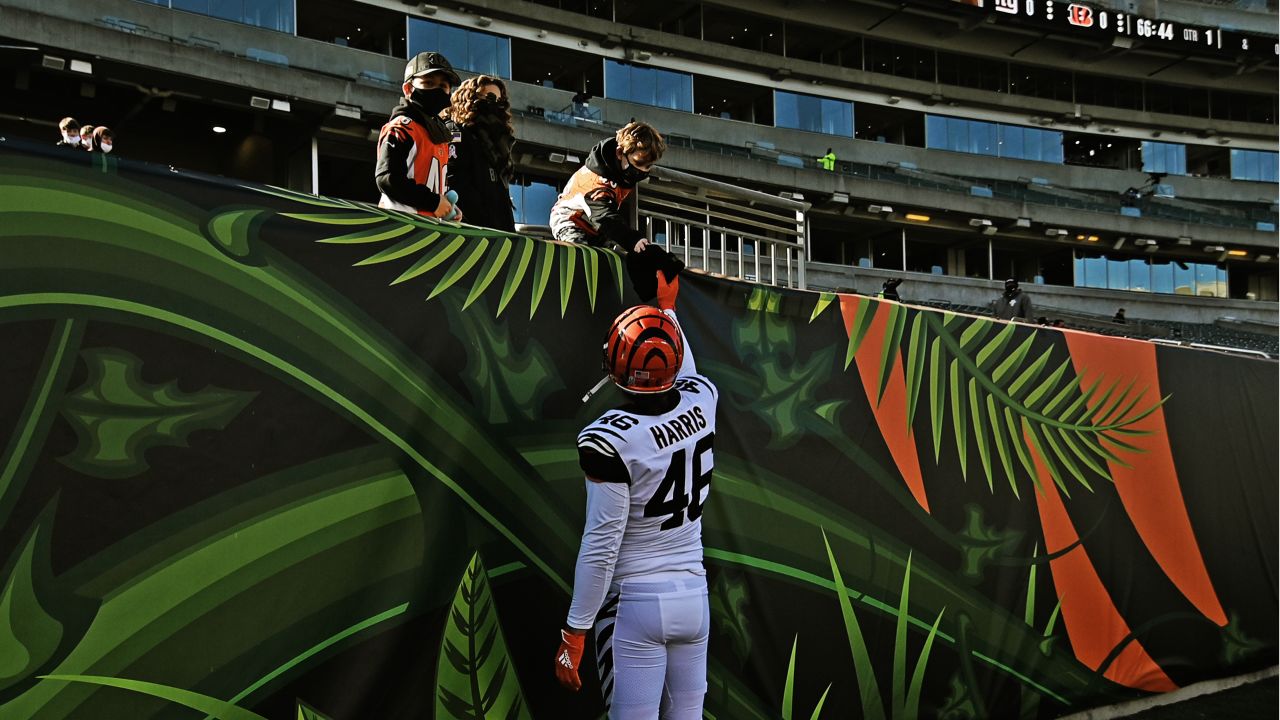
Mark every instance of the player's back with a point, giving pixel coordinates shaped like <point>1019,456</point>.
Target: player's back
<point>667,459</point>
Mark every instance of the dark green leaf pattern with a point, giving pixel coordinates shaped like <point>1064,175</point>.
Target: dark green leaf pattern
<point>117,416</point>
<point>29,633</point>
<point>729,603</point>
<point>981,543</point>
<point>474,677</point>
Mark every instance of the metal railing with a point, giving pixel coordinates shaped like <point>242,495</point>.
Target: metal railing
<point>726,229</point>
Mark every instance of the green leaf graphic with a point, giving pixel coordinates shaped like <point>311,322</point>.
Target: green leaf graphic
<point>29,634</point>
<point>117,416</point>
<point>729,613</point>
<point>474,676</point>
<point>212,707</point>
<point>982,543</point>
<point>506,383</point>
<point>306,712</point>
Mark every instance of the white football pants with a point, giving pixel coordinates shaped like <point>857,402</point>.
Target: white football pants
<point>651,649</point>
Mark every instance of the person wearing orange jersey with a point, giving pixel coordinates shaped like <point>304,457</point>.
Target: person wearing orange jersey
<point>589,211</point>
<point>413,147</point>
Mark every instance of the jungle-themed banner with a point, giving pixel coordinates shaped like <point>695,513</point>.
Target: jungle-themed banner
<point>271,455</point>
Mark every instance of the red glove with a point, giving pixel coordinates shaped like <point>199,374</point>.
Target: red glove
<point>568,658</point>
<point>667,291</point>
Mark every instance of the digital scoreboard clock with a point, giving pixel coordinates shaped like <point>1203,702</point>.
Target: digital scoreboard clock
<point>1077,18</point>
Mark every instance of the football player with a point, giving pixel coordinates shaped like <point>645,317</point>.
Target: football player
<point>639,580</point>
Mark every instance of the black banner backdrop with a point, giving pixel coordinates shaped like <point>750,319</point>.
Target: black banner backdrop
<point>271,455</point>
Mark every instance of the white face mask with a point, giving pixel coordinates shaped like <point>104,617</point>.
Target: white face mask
<point>85,141</point>
<point>106,147</point>
<point>70,139</point>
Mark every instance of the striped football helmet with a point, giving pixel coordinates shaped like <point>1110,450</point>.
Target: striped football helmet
<point>644,350</point>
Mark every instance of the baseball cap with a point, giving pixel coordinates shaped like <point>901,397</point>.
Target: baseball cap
<point>429,62</point>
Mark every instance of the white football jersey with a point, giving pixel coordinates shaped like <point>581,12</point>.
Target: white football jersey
<point>666,460</point>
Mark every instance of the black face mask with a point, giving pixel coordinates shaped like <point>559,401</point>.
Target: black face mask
<point>432,101</point>
<point>633,175</point>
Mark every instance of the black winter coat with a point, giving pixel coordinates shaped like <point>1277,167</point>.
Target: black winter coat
<point>482,184</point>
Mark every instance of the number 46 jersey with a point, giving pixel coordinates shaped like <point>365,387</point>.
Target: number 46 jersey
<point>665,461</point>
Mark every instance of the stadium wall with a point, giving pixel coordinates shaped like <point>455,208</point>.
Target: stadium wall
<point>274,455</point>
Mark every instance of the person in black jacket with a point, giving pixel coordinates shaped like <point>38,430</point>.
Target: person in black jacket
<point>480,164</point>
<point>589,210</point>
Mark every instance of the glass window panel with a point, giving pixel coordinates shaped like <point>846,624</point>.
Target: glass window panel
<point>271,14</point>
<point>1011,141</point>
<point>1162,277</point>
<point>1222,281</point>
<point>1117,274</point>
<point>1139,275</point>
<point>617,81</point>
<point>453,43</point>
<point>1184,278</point>
<point>1052,146</point>
<point>935,131</point>
<point>957,134</point>
<point>644,86</point>
<point>422,36</point>
<point>1206,280</point>
<point>982,138</point>
<point>1095,271</point>
<point>786,112</point>
<point>195,6</point>
<point>227,9</point>
<point>1033,146</point>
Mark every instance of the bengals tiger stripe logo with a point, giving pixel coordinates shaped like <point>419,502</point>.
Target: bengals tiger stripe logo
<point>644,350</point>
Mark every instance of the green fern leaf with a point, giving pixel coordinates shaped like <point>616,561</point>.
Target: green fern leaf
<point>1002,448</point>
<point>788,688</point>
<point>862,317</point>
<point>1043,389</point>
<point>1029,375</point>
<point>1064,457</point>
<point>974,334</point>
<point>1071,411</point>
<point>1119,415</point>
<point>914,368</point>
<point>336,218</point>
<point>1018,441</point>
<point>817,710</point>
<point>401,249</point>
<point>430,259</point>
<point>304,198</point>
<point>891,346</point>
<point>615,261</point>
<point>591,270</point>
<point>372,235</point>
<point>568,263</point>
<point>912,709</point>
<point>1098,448</point>
<point>516,274</point>
<point>1103,414</point>
<point>489,271</point>
<point>461,266</point>
<point>541,274</point>
<point>1013,361</point>
<point>958,422</point>
<point>980,431</point>
<point>824,301</point>
<point>1080,454</point>
<point>1034,439</point>
<point>1100,408</point>
<point>864,670</point>
<point>1062,394</point>
<point>949,318</point>
<point>992,349</point>
<point>937,395</point>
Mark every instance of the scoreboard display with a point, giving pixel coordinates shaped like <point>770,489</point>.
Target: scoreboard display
<point>1078,18</point>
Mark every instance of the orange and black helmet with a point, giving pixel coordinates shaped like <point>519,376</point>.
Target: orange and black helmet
<point>644,350</point>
